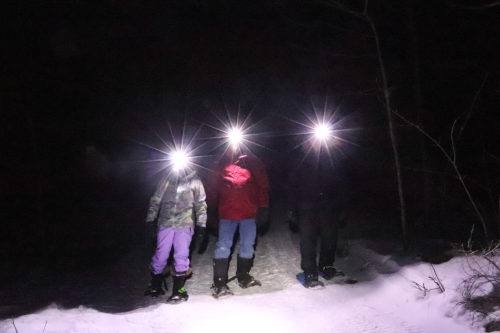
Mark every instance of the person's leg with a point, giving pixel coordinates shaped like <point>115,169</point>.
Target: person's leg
<point>159,261</point>
<point>248,232</point>
<point>182,240</point>
<point>328,237</point>
<point>163,247</point>
<point>227,228</point>
<point>308,241</point>
<point>308,247</point>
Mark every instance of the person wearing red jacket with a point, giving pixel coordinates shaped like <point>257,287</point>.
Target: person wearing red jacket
<point>239,186</point>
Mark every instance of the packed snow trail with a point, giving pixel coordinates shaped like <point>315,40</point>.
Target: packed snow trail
<point>384,300</point>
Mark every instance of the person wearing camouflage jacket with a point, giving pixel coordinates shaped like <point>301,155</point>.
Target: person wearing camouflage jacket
<point>179,206</point>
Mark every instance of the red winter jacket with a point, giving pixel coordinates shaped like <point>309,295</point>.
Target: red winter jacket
<point>239,187</point>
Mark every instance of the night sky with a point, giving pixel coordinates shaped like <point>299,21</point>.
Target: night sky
<point>88,86</point>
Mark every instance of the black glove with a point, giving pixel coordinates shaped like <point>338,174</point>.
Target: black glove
<point>200,239</point>
<point>199,232</point>
<point>292,219</point>
<point>262,220</point>
<point>212,217</point>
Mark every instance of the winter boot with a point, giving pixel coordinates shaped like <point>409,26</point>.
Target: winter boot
<point>179,293</point>
<point>155,286</point>
<point>312,281</point>
<point>329,272</point>
<point>220,288</point>
<point>245,280</point>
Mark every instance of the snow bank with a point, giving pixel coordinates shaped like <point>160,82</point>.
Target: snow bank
<point>383,301</point>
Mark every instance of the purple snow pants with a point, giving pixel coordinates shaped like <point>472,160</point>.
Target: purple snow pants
<point>180,239</point>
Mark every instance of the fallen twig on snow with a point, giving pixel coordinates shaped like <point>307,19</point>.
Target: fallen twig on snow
<point>14,324</point>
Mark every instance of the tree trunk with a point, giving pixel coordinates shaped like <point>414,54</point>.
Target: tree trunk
<point>392,134</point>
<point>415,51</point>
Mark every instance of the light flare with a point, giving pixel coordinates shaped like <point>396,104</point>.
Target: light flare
<point>235,137</point>
<point>177,156</point>
<point>180,160</point>
<point>323,132</point>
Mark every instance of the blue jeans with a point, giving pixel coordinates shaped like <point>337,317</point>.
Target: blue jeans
<point>227,229</point>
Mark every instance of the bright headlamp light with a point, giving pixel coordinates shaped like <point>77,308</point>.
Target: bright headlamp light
<point>179,160</point>
<point>322,132</point>
<point>235,137</point>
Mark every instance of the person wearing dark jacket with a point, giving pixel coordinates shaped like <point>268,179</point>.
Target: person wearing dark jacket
<point>238,186</point>
<point>317,196</point>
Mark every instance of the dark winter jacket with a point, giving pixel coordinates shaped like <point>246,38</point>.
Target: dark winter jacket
<point>315,182</point>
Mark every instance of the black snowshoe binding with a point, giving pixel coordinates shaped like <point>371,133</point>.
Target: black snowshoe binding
<point>334,275</point>
<point>311,281</point>
<point>221,291</point>
<point>329,272</point>
<point>245,280</point>
<point>155,286</point>
<point>179,293</point>
<point>248,282</point>
<point>219,287</point>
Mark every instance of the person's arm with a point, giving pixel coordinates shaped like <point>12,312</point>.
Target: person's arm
<point>212,189</point>
<point>155,201</point>
<point>200,205</point>
<point>262,181</point>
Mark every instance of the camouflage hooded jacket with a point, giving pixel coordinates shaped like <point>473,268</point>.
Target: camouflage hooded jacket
<point>179,202</point>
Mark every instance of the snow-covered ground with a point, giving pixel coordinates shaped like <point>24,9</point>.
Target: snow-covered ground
<point>384,300</point>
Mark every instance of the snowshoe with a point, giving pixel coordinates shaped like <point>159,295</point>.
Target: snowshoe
<point>336,276</point>
<point>155,286</point>
<point>178,296</point>
<point>309,281</point>
<point>349,280</point>
<point>154,292</point>
<point>329,272</point>
<point>221,291</point>
<point>219,287</point>
<point>248,282</point>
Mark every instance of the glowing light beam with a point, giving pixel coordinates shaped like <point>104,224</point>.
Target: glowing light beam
<point>180,160</point>
<point>322,132</point>
<point>235,137</point>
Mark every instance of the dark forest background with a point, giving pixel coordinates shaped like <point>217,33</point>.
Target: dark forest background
<point>87,85</point>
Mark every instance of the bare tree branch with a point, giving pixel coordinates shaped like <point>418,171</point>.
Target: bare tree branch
<point>452,139</point>
<point>453,163</point>
<point>14,324</point>
<point>343,8</point>
<point>365,10</point>
<point>435,278</point>
<point>474,101</point>
<point>473,7</point>
<point>494,157</point>
<point>364,16</point>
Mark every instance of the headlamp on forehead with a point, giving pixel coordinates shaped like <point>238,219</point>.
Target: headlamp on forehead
<point>322,132</point>
<point>235,137</point>
<point>179,160</point>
